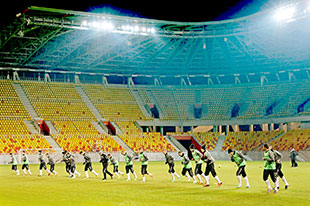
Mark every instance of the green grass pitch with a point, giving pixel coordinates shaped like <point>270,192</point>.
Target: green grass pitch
<point>60,190</point>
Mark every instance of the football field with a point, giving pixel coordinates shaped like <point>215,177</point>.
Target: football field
<point>61,190</point>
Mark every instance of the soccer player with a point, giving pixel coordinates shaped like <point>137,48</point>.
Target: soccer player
<point>14,163</point>
<point>51,162</point>
<point>269,168</point>
<point>239,159</point>
<point>66,161</point>
<point>73,171</point>
<point>42,164</point>
<point>114,162</point>
<point>144,162</point>
<point>187,167</point>
<point>209,160</point>
<point>128,165</point>
<point>105,163</point>
<point>25,166</point>
<point>279,172</point>
<point>197,158</point>
<point>87,163</point>
<point>170,162</point>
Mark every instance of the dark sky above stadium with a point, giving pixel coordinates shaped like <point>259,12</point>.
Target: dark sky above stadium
<point>187,10</point>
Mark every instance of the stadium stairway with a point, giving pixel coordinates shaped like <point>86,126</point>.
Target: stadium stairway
<point>51,127</point>
<point>23,97</point>
<point>217,153</point>
<point>31,126</point>
<point>122,143</point>
<point>89,104</point>
<point>175,143</point>
<point>118,130</point>
<point>141,104</point>
<point>52,142</point>
<point>101,128</point>
<point>219,144</point>
<point>153,100</point>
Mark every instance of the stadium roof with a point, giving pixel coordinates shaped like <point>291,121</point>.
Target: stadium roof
<point>54,39</point>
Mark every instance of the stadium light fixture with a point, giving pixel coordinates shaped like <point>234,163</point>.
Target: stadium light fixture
<point>84,23</point>
<point>103,25</point>
<point>136,28</point>
<point>285,14</point>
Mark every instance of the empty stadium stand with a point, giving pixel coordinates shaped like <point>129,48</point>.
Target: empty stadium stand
<point>151,142</point>
<point>246,141</point>
<point>114,103</point>
<point>87,143</point>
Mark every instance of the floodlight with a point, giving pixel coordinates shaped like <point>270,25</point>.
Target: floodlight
<point>84,23</point>
<point>136,28</point>
<point>107,25</point>
<point>285,13</point>
<point>103,25</point>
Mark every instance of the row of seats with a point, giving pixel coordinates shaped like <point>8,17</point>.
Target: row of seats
<point>151,142</point>
<point>15,143</point>
<point>246,141</point>
<point>87,143</point>
<point>10,103</point>
<point>207,138</point>
<point>297,139</point>
<point>114,103</point>
<point>13,127</point>
<point>75,127</point>
<point>57,101</point>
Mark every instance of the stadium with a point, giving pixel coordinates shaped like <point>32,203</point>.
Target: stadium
<point>100,83</point>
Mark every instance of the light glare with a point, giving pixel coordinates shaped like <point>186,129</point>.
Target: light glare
<point>285,14</point>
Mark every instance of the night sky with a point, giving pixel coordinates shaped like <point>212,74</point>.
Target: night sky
<point>187,11</point>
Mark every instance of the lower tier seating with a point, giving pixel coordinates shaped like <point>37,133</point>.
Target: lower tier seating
<point>149,141</point>
<point>246,141</point>
<point>297,139</point>
<point>14,143</point>
<point>87,143</point>
<point>207,138</point>
<point>13,127</point>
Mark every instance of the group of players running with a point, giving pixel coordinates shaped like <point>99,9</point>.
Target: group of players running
<point>272,165</point>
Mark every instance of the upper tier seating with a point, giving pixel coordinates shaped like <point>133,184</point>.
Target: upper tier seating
<point>11,106</point>
<point>57,101</point>
<point>114,103</point>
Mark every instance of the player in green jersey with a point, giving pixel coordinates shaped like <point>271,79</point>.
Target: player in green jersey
<point>197,157</point>
<point>269,168</point>
<point>14,163</point>
<point>187,167</point>
<point>144,162</point>
<point>239,159</point>
<point>115,164</point>
<point>129,165</point>
<point>25,166</point>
